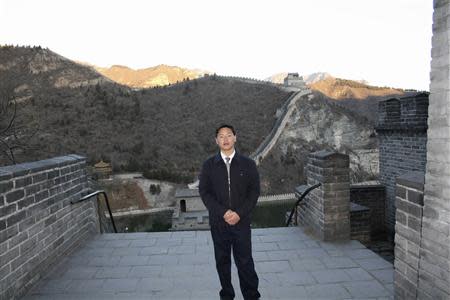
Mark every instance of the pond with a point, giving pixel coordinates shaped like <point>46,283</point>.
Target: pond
<point>266,214</point>
<point>271,214</point>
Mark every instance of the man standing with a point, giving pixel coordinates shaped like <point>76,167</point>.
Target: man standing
<point>229,188</point>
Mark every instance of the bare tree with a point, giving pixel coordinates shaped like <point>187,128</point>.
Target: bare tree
<point>14,134</point>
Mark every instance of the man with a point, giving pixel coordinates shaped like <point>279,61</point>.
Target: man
<point>229,188</point>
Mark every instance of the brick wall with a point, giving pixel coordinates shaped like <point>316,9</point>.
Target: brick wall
<point>434,271</point>
<point>401,128</point>
<point>371,195</point>
<point>327,209</point>
<point>359,222</point>
<point>37,222</point>
<point>408,227</point>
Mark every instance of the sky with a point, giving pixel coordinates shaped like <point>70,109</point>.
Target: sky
<point>385,42</point>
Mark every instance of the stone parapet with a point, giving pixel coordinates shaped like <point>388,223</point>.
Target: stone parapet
<point>408,227</point>
<point>38,224</point>
<point>373,196</point>
<point>434,271</point>
<point>402,132</point>
<point>326,210</point>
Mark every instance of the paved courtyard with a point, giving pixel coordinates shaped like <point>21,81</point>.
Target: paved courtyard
<point>180,265</point>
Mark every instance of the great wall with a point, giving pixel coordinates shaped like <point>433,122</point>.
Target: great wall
<point>284,112</point>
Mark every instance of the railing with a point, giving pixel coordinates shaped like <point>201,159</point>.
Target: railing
<point>96,193</point>
<point>302,190</point>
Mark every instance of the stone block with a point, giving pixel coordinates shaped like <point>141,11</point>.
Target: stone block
<point>401,217</point>
<point>37,178</point>
<point>10,255</point>
<point>41,196</point>
<point>415,224</point>
<point>415,197</point>
<point>400,191</point>
<point>21,182</point>
<point>6,186</point>
<point>33,189</point>
<point>433,245</point>
<point>15,218</point>
<point>25,202</point>
<point>15,196</point>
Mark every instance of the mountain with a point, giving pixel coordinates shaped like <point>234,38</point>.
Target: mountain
<point>166,132</point>
<point>149,77</point>
<point>310,78</point>
<point>318,124</point>
<point>27,70</point>
<point>315,77</point>
<point>338,89</point>
<point>277,78</point>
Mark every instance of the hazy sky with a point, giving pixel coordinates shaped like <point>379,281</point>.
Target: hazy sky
<point>386,42</point>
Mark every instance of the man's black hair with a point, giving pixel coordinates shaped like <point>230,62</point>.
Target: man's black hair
<point>225,126</point>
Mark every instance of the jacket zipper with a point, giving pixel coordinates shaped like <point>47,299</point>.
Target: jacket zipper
<point>229,189</point>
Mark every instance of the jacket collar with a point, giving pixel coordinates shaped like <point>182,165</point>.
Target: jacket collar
<point>218,157</point>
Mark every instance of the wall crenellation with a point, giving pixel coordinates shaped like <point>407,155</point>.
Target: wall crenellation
<point>326,210</point>
<point>402,131</point>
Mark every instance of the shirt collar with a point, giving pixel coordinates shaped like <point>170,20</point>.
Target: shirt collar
<point>231,156</point>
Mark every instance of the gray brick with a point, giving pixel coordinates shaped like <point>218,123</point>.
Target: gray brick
<point>21,182</point>
<point>16,240</point>
<point>7,210</point>
<point>16,218</point>
<point>415,197</point>
<point>6,186</point>
<point>401,217</point>
<point>50,220</point>
<point>14,196</point>
<point>39,177</point>
<point>430,213</point>
<point>25,202</point>
<point>28,245</point>
<point>4,270</point>
<point>53,174</point>
<point>41,196</point>
<point>9,256</point>
<point>400,192</point>
<point>26,223</point>
<point>414,224</point>
<point>12,231</point>
<point>33,189</point>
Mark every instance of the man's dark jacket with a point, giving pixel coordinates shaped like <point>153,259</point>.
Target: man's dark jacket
<point>213,188</point>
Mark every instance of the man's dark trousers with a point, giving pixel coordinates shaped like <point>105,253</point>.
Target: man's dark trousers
<point>227,237</point>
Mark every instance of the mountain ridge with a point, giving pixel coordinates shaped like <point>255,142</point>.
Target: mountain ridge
<point>155,130</point>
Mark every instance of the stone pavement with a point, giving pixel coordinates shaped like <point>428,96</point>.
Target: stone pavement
<point>180,265</point>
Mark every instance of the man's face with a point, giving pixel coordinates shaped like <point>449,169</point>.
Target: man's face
<point>225,139</point>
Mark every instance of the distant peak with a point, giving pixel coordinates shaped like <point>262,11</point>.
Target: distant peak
<point>120,67</point>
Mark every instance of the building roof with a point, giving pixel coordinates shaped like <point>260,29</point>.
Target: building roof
<point>102,164</point>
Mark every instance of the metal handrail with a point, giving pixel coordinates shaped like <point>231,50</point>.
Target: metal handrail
<point>96,193</point>
<point>303,195</point>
